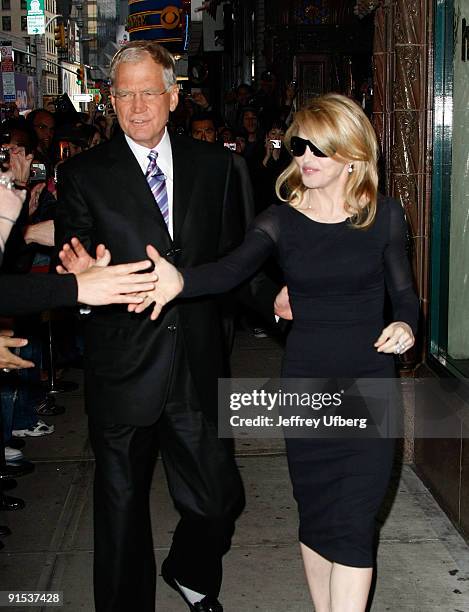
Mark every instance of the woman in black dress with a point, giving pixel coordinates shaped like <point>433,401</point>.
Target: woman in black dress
<point>341,247</point>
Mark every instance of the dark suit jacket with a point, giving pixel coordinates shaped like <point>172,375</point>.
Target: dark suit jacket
<point>104,197</point>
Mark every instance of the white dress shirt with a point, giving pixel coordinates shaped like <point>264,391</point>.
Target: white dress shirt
<point>165,163</point>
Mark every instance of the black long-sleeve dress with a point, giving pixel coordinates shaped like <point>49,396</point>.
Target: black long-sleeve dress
<point>337,277</point>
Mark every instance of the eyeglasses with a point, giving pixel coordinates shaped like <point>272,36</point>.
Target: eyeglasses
<point>298,147</point>
<point>149,95</point>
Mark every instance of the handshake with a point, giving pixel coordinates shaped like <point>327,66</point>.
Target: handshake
<point>100,284</point>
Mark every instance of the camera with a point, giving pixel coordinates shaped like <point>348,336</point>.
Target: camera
<point>38,172</point>
<point>230,145</point>
<point>4,155</point>
<point>276,143</point>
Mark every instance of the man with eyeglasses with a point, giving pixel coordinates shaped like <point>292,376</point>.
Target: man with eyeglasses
<point>150,386</point>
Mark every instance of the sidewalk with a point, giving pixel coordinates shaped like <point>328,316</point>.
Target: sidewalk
<point>423,562</point>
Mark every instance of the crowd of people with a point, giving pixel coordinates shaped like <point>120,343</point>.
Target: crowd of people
<point>166,169</point>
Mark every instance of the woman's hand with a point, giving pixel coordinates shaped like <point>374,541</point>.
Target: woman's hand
<point>282,305</point>
<point>395,338</point>
<point>170,283</point>
<point>8,360</point>
<point>122,284</point>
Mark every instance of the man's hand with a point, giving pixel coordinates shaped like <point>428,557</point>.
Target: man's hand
<point>40,233</point>
<point>282,305</point>
<point>395,338</point>
<point>170,284</point>
<point>122,284</point>
<point>34,197</point>
<point>20,164</point>
<point>8,360</point>
<point>76,259</point>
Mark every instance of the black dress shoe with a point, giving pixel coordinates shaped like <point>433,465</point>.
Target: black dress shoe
<point>8,485</point>
<point>207,604</point>
<point>15,471</point>
<point>4,531</point>
<point>11,503</point>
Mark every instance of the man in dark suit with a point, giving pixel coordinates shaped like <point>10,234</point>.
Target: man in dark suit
<point>152,386</point>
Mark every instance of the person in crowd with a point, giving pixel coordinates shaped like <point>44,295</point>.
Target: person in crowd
<point>203,127</point>
<point>22,395</point>
<point>155,386</point>
<point>275,159</point>
<point>235,106</point>
<point>252,132</point>
<point>341,246</point>
<point>43,122</point>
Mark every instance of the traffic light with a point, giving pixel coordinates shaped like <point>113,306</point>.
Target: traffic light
<point>80,74</point>
<point>59,36</point>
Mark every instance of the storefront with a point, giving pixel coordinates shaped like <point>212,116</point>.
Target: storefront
<point>449,320</point>
<point>444,462</point>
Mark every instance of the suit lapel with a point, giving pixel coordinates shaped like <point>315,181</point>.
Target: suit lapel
<point>184,174</point>
<point>127,173</point>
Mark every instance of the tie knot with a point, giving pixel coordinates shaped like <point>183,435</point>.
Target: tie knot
<point>152,165</point>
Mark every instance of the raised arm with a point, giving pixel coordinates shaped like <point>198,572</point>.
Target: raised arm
<point>215,277</point>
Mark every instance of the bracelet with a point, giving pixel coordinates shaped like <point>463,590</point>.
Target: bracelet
<point>12,221</point>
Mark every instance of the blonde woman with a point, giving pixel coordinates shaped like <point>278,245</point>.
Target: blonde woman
<point>341,247</point>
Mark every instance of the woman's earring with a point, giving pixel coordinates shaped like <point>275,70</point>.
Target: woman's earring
<point>350,168</point>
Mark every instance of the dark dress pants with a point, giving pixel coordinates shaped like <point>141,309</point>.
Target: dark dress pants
<point>204,483</point>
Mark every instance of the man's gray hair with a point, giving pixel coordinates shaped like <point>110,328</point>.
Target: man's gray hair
<point>136,51</point>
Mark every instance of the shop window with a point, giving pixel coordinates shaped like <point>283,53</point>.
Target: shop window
<point>449,319</point>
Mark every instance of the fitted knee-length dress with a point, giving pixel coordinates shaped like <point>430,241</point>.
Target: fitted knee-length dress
<point>337,278</point>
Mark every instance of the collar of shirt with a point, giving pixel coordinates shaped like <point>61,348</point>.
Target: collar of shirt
<point>163,148</point>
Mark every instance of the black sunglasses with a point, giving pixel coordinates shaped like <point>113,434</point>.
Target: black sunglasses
<point>298,147</point>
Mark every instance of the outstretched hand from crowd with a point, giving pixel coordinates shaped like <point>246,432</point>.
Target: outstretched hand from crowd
<point>98,282</point>
<point>8,360</point>
<point>122,284</point>
<point>170,283</point>
<point>76,259</point>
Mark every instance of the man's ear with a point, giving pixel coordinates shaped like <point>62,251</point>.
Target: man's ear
<point>174,97</point>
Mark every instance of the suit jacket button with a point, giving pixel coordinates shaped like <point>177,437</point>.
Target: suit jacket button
<point>172,328</point>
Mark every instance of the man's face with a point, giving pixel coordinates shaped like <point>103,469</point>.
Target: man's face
<point>204,130</point>
<point>243,96</point>
<point>250,122</point>
<point>141,110</point>
<point>44,126</point>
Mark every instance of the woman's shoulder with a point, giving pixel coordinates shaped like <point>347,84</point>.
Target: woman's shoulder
<point>388,208</point>
<point>269,219</point>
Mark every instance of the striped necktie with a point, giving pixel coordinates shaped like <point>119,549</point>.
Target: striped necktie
<point>157,182</point>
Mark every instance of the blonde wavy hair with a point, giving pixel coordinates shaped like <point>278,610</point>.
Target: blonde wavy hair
<point>338,127</point>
